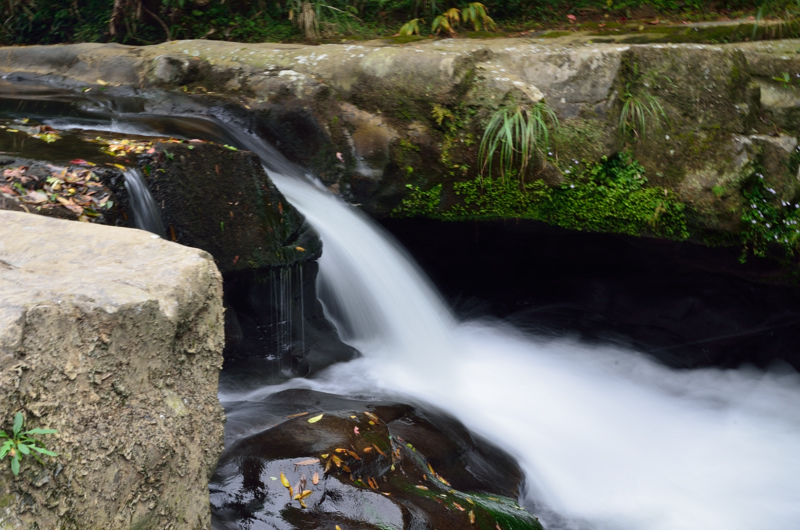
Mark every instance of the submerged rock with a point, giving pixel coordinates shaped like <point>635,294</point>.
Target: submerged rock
<point>361,464</point>
<point>113,337</point>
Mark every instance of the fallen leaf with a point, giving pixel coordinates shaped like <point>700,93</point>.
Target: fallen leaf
<point>421,487</point>
<point>379,450</point>
<point>471,517</point>
<point>301,249</point>
<point>302,495</point>
<point>315,419</point>
<point>458,506</point>
<point>285,481</point>
<point>336,460</point>
<point>37,197</point>
<point>307,462</point>
<point>315,478</point>
<point>355,430</point>
<point>367,449</point>
<point>291,415</point>
<point>102,83</point>
<point>372,416</point>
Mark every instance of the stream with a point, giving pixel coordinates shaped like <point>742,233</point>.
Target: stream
<point>608,438</point>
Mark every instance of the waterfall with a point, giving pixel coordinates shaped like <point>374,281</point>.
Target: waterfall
<point>146,214</point>
<point>608,439</point>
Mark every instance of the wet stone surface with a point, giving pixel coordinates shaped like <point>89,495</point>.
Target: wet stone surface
<point>326,460</point>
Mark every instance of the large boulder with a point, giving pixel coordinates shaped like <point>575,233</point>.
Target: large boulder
<point>113,337</point>
<point>360,464</point>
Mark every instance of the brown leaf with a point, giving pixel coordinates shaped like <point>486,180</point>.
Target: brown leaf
<point>293,415</point>
<point>379,450</point>
<point>307,462</point>
<point>472,517</point>
<point>315,478</point>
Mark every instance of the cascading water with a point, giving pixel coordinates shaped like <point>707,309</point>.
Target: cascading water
<point>608,439</point>
<point>146,214</point>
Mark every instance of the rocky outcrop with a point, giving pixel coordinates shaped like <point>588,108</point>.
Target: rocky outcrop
<point>113,337</point>
<point>372,118</point>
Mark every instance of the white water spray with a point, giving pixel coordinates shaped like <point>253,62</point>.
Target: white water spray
<point>608,439</point>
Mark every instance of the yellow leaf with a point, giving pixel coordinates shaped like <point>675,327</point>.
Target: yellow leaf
<point>120,166</point>
<point>315,419</point>
<point>302,495</point>
<point>336,460</point>
<point>101,82</point>
<point>471,517</point>
<point>422,487</point>
<point>338,527</point>
<point>301,249</point>
<point>285,481</point>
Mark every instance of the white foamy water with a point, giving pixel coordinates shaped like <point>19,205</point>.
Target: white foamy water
<point>608,440</point>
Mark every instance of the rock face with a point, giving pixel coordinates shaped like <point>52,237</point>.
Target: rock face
<point>373,118</point>
<point>113,337</point>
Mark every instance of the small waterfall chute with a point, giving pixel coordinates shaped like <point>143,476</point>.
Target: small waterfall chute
<point>146,214</point>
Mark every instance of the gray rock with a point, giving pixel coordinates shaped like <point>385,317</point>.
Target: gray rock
<point>113,337</point>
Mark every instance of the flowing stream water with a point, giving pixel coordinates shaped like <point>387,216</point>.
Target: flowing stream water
<point>607,438</point>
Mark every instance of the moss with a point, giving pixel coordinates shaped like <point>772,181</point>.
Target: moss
<point>555,34</point>
<point>611,196</point>
<point>404,39</point>
<point>580,138</point>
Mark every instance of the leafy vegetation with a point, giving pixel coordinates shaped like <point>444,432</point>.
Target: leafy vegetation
<point>150,21</point>
<point>22,443</point>
<point>517,134</point>
<point>768,220</point>
<point>610,196</point>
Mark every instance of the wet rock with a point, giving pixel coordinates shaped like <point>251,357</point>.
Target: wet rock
<point>221,200</point>
<point>361,465</point>
<point>113,337</point>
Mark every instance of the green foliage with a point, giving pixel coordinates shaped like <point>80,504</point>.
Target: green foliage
<point>609,196</point>
<point>518,134</point>
<point>142,22</point>
<point>22,443</point>
<point>410,28</point>
<point>768,221</point>
<point>419,202</point>
<point>639,107</point>
<point>636,112</point>
<point>476,13</point>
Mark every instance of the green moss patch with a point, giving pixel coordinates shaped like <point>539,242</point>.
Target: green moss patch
<point>610,196</point>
